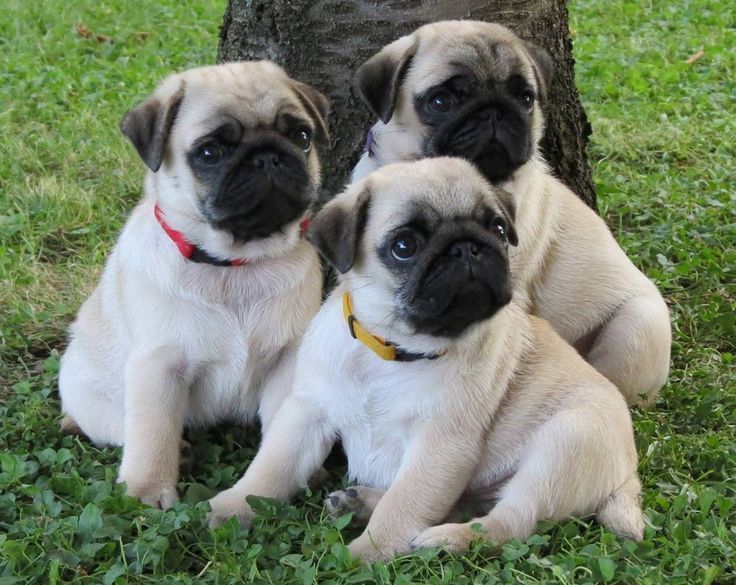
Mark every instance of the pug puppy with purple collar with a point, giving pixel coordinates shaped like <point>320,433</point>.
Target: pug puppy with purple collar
<point>210,286</point>
<point>477,91</point>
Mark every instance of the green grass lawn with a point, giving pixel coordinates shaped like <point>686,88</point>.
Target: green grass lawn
<point>663,153</point>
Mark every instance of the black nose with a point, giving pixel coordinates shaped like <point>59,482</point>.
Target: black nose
<point>491,113</point>
<point>464,250</point>
<point>266,160</point>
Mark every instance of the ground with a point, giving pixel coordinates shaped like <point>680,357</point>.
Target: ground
<point>663,155</point>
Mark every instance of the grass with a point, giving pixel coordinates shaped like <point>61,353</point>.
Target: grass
<point>663,153</point>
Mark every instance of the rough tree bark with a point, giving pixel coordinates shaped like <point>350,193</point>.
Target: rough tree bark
<point>322,42</point>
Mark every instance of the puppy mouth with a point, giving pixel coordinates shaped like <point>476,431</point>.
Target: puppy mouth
<point>256,201</point>
<point>455,292</point>
<point>493,136</point>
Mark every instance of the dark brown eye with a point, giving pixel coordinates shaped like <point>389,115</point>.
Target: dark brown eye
<point>404,247</point>
<point>303,139</point>
<point>209,154</point>
<point>498,226</point>
<point>526,98</point>
<point>440,102</point>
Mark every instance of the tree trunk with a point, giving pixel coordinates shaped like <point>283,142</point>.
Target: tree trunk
<point>322,42</point>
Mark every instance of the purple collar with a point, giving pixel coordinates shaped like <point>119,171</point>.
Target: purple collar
<point>368,144</point>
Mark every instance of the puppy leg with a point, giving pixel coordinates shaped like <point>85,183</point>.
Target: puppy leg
<point>431,479</point>
<point>156,397</point>
<point>360,500</point>
<point>276,387</point>
<point>633,348</point>
<point>572,466</point>
<point>621,513</point>
<point>87,409</point>
<point>296,443</point>
<point>512,517</point>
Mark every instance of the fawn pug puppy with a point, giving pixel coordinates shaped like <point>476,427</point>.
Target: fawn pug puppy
<point>477,91</point>
<point>209,286</point>
<point>440,388</point>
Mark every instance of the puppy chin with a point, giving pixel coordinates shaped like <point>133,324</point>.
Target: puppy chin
<point>184,217</point>
<point>471,304</point>
<point>222,244</point>
<point>376,308</point>
<point>496,157</point>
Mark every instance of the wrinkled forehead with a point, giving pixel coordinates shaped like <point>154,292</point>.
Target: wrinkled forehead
<point>403,199</point>
<point>250,100</point>
<point>472,52</point>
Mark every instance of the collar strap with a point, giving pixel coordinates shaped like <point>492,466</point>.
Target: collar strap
<point>197,255</point>
<point>386,350</point>
<point>369,143</point>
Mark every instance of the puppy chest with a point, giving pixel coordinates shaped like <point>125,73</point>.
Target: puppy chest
<point>229,381</point>
<point>376,435</point>
<point>375,449</point>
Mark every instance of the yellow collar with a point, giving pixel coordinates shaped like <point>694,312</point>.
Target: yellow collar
<point>384,349</point>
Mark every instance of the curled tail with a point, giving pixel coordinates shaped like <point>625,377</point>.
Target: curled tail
<point>621,511</point>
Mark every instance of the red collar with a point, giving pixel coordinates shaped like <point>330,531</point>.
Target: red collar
<point>191,252</point>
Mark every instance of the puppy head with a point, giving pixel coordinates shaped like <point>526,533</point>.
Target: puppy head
<point>233,146</point>
<point>423,246</point>
<point>462,88</point>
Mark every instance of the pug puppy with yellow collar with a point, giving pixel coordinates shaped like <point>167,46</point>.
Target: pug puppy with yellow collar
<point>446,395</point>
<point>210,286</point>
<point>477,91</point>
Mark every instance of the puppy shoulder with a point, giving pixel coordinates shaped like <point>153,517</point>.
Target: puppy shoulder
<point>325,341</point>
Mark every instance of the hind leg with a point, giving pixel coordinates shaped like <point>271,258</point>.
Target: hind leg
<point>86,409</point>
<point>514,516</point>
<point>572,466</point>
<point>633,348</point>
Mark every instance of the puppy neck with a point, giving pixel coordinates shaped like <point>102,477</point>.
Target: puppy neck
<point>526,178</point>
<point>183,216</point>
<point>378,315</point>
<point>385,144</point>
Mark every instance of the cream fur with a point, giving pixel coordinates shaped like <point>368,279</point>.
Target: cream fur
<point>510,411</point>
<point>568,265</point>
<point>164,342</point>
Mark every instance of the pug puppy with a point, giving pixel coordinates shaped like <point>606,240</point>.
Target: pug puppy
<point>210,286</point>
<point>442,389</point>
<point>477,91</point>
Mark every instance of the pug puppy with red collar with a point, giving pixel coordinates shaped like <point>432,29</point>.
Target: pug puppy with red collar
<point>447,396</point>
<point>477,91</point>
<point>210,285</point>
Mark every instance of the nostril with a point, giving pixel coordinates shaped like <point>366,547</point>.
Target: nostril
<point>267,159</point>
<point>464,249</point>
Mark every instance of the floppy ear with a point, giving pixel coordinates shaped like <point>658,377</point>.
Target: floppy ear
<point>508,210</point>
<point>317,105</point>
<point>148,126</point>
<point>379,78</point>
<point>544,66</point>
<point>337,229</point>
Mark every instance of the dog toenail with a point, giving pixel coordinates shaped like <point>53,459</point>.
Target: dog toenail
<point>334,501</point>
<point>351,493</point>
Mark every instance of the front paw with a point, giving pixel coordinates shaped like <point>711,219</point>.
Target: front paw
<point>369,549</point>
<point>158,493</point>
<point>454,538</point>
<point>228,504</point>
<point>365,549</point>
